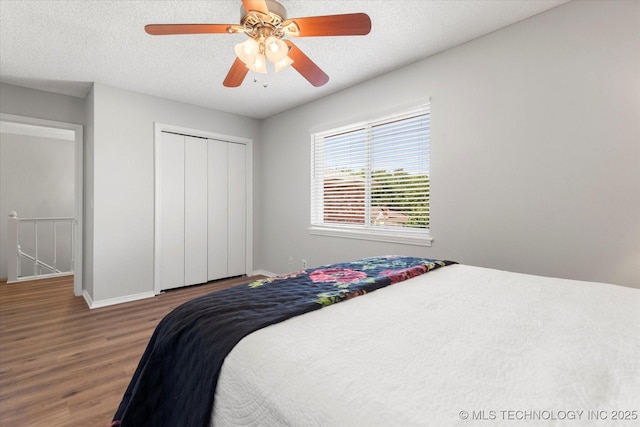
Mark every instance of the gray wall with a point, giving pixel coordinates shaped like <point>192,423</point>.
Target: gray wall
<point>120,199</point>
<point>36,180</point>
<point>26,102</point>
<point>41,105</point>
<point>535,151</point>
<point>88,152</point>
<point>118,149</point>
<point>535,156</point>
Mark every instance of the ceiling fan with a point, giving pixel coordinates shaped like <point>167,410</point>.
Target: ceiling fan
<point>266,24</point>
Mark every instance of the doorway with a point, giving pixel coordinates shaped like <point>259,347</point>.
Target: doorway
<point>23,125</point>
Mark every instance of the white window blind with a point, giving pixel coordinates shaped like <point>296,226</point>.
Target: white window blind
<point>371,180</point>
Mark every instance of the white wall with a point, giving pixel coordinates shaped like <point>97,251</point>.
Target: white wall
<point>36,180</point>
<point>120,199</point>
<point>535,151</point>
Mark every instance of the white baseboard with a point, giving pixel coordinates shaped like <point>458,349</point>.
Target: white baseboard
<point>264,273</point>
<point>112,301</point>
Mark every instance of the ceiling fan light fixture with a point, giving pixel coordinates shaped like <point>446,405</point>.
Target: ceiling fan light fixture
<point>283,63</point>
<point>275,49</point>
<point>259,65</point>
<point>247,51</point>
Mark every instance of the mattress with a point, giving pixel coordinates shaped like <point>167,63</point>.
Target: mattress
<point>457,346</point>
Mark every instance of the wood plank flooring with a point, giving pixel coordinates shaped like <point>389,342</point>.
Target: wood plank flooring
<point>62,364</point>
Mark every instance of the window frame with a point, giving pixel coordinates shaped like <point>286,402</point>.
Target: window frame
<point>401,235</point>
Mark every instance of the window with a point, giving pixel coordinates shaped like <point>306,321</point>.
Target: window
<point>371,180</point>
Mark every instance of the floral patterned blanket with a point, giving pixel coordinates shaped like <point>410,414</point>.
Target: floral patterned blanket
<point>175,381</point>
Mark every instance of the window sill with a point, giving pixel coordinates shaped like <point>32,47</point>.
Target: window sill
<point>389,236</point>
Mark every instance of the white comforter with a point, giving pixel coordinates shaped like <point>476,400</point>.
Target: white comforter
<point>460,345</point>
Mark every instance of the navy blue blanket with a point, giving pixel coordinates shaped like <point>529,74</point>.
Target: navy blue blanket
<point>175,381</point>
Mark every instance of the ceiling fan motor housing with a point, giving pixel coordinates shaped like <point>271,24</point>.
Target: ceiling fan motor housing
<point>255,22</point>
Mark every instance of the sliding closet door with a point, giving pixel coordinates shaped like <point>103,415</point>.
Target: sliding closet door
<point>195,210</point>
<point>217,215</point>
<point>200,210</point>
<point>237,224</point>
<point>170,176</point>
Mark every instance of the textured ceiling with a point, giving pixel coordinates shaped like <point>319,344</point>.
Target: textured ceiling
<point>64,46</point>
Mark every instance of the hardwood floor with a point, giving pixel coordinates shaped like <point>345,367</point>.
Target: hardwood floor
<point>62,364</point>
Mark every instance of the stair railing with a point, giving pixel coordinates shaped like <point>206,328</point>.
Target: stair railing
<point>16,256</point>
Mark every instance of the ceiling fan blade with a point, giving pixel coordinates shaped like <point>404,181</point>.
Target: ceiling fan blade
<point>351,24</point>
<point>305,66</point>
<point>168,29</point>
<point>236,74</point>
<point>256,5</point>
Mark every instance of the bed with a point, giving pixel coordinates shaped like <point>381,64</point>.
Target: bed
<point>457,345</point>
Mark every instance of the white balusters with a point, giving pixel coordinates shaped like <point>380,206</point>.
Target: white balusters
<point>13,248</point>
<point>15,255</point>
<point>35,246</point>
